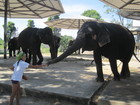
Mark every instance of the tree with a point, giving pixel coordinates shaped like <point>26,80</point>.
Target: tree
<point>65,42</point>
<point>116,17</point>
<point>31,23</point>
<point>56,31</point>
<point>1,45</point>
<point>92,13</point>
<point>53,17</point>
<point>10,29</point>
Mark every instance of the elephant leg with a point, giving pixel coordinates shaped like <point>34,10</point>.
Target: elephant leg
<point>78,51</point>
<point>40,58</point>
<point>34,59</point>
<point>18,50</point>
<point>113,64</point>
<point>98,62</point>
<point>26,52</point>
<point>14,53</point>
<point>10,53</point>
<point>125,72</point>
<point>30,57</point>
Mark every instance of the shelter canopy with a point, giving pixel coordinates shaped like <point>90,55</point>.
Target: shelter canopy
<point>70,23</point>
<point>130,14</point>
<point>31,8</point>
<point>123,4</point>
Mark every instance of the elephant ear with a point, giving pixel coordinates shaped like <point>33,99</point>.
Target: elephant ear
<point>103,36</point>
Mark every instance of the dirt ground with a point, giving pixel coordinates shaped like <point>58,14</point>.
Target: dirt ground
<point>28,100</point>
<point>4,100</point>
<point>87,57</point>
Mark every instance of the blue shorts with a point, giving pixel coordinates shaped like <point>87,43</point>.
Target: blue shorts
<point>14,82</point>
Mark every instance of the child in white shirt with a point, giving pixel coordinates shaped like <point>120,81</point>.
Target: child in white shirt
<point>18,69</point>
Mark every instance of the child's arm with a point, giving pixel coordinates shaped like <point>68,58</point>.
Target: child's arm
<point>12,68</point>
<point>37,66</point>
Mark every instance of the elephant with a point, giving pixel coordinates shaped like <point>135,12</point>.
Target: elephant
<point>70,44</point>
<point>57,43</point>
<point>30,40</point>
<point>13,46</point>
<point>112,41</point>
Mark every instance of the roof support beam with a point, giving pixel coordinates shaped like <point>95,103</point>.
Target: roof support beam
<point>129,2</point>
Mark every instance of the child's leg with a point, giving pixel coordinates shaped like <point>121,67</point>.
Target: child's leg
<point>18,95</point>
<point>14,92</point>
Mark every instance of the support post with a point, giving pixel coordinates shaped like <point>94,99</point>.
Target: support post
<point>5,29</point>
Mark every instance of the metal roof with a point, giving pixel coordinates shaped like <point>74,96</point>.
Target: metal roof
<point>69,23</point>
<point>124,4</point>
<point>130,14</point>
<point>31,8</point>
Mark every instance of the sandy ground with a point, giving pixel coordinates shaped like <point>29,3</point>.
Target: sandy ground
<point>87,56</point>
<point>28,100</point>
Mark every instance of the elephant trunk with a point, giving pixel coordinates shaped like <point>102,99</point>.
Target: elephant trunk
<point>78,43</point>
<point>53,49</point>
<point>53,53</point>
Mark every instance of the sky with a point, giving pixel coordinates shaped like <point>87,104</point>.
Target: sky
<point>71,7</point>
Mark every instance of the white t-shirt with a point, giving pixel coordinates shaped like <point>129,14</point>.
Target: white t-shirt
<point>19,70</point>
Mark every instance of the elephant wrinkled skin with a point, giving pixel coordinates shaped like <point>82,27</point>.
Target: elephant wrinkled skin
<point>30,40</point>
<point>13,46</point>
<point>113,41</point>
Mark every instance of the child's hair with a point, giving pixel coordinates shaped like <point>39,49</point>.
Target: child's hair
<point>18,62</point>
<point>19,56</point>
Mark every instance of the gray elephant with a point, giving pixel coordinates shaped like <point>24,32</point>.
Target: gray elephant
<point>112,41</point>
<point>13,46</point>
<point>30,40</point>
<point>70,44</point>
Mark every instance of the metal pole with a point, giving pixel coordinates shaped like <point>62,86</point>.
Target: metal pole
<point>5,30</point>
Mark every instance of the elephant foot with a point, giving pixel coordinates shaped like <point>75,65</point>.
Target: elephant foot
<point>116,79</point>
<point>125,75</point>
<point>99,79</point>
<point>39,63</point>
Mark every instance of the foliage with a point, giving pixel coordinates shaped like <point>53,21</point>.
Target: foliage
<point>1,46</point>
<point>92,13</point>
<point>1,42</point>
<point>31,23</point>
<point>10,29</point>
<point>65,42</point>
<point>53,17</point>
<point>120,20</point>
<point>45,48</point>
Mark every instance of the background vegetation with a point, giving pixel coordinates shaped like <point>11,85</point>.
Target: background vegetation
<point>65,42</point>
<point>65,39</point>
<point>1,46</point>
<point>92,14</point>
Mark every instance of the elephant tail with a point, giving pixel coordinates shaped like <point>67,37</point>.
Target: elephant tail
<point>136,57</point>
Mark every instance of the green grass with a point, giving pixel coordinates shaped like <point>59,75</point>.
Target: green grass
<point>1,46</point>
<point>44,48</point>
<point>1,43</point>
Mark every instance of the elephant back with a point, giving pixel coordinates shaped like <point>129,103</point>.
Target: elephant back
<point>26,37</point>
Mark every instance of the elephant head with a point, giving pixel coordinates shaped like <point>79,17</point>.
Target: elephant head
<point>46,36</point>
<point>90,36</point>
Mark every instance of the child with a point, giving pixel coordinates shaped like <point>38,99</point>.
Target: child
<point>19,68</point>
